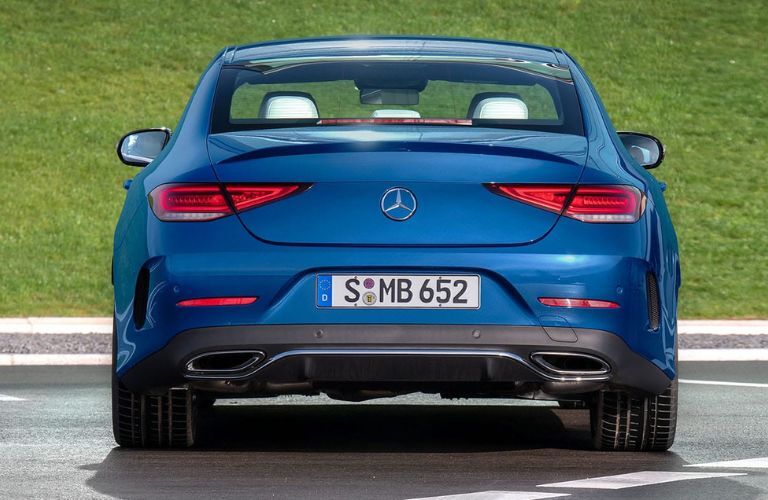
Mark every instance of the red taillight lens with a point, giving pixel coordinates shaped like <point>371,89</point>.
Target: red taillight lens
<point>605,204</point>
<point>189,202</point>
<point>249,196</point>
<point>585,203</point>
<point>218,301</point>
<point>202,202</point>
<point>551,198</point>
<point>589,303</point>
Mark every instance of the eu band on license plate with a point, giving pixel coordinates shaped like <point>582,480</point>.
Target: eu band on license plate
<point>398,291</point>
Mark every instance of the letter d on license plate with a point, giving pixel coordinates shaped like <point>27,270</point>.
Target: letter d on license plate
<point>399,291</point>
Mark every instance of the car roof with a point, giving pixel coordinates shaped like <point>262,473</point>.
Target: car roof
<point>400,45</point>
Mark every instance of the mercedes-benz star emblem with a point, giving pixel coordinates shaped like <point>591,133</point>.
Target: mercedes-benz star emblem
<point>398,203</point>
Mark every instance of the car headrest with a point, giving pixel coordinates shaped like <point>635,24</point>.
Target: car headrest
<point>395,113</point>
<point>288,105</point>
<point>497,106</point>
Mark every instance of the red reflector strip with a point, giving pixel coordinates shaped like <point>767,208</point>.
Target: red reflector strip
<point>218,301</point>
<point>588,303</point>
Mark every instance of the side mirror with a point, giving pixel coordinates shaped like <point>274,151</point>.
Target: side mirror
<point>647,150</point>
<point>140,147</point>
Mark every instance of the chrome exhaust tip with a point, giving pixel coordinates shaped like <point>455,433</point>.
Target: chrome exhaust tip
<point>223,364</point>
<point>571,364</point>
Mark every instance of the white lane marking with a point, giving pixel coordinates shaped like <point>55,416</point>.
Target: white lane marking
<point>498,495</point>
<point>4,397</point>
<point>634,479</point>
<point>747,463</point>
<point>717,382</point>
<point>723,327</point>
<point>723,354</point>
<point>54,359</point>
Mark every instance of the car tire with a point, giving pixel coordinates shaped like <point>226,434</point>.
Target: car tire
<point>622,421</point>
<point>152,421</point>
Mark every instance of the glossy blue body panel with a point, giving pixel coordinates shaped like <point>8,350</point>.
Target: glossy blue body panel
<point>275,252</point>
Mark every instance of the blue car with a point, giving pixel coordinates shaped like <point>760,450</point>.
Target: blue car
<point>373,217</point>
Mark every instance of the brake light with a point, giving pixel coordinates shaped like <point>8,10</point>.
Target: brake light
<point>588,303</point>
<point>218,301</point>
<point>606,204</point>
<point>584,203</point>
<point>550,198</point>
<point>202,202</point>
<point>246,196</point>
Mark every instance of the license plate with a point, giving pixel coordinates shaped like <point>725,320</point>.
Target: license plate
<point>398,291</point>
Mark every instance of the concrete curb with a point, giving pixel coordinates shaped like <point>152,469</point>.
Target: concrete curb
<point>723,327</point>
<point>53,325</point>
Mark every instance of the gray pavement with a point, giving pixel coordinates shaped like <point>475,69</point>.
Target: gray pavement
<point>55,442</point>
<point>65,343</point>
<point>100,343</point>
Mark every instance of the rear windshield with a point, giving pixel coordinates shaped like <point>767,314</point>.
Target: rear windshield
<point>317,93</point>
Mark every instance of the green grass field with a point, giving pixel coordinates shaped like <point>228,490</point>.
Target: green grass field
<point>75,75</point>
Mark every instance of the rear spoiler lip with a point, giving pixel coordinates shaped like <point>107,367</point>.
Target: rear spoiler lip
<point>396,146</point>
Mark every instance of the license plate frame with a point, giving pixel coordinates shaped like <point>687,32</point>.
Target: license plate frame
<point>353,291</point>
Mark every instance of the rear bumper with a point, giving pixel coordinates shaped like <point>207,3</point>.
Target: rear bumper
<point>441,358</point>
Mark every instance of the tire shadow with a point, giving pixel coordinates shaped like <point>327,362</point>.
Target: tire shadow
<point>391,428</point>
<point>368,451</point>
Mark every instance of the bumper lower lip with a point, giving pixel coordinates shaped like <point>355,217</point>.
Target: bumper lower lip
<point>540,368</point>
<point>431,353</point>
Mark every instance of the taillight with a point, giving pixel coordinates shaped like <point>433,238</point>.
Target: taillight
<point>606,204</point>
<point>189,202</point>
<point>202,202</point>
<point>245,196</point>
<point>585,203</point>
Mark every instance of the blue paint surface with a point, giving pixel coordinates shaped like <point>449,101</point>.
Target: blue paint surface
<point>284,251</point>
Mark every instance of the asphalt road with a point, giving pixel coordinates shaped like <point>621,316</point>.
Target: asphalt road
<point>55,442</point>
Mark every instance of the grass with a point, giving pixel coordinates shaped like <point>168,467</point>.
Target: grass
<point>75,75</point>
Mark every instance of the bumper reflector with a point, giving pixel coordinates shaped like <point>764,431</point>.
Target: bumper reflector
<point>589,303</point>
<point>217,301</point>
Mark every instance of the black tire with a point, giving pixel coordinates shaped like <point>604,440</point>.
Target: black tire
<point>623,422</point>
<point>147,421</point>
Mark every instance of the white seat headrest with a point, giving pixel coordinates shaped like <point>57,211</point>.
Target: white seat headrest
<point>395,113</point>
<point>501,108</point>
<point>298,107</point>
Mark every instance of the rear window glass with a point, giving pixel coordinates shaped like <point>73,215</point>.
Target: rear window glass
<point>329,93</point>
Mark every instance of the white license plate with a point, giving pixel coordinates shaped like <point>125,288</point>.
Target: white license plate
<point>398,291</point>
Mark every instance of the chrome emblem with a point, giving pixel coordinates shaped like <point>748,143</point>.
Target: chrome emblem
<point>398,203</point>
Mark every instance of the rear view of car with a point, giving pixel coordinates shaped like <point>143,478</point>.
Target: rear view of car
<point>373,217</point>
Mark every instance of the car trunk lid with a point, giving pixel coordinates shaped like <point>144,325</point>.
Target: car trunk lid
<point>445,174</point>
